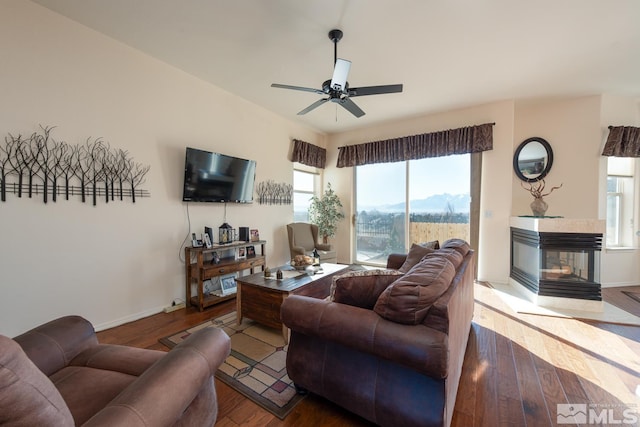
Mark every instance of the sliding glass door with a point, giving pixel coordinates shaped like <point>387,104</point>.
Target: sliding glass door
<point>402,203</point>
<point>381,193</point>
<point>439,198</point>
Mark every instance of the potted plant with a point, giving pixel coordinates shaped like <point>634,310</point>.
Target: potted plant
<point>326,212</point>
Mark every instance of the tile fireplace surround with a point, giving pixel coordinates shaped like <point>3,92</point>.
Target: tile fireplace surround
<point>555,262</point>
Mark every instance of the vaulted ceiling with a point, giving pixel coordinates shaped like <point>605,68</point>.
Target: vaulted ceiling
<point>448,54</point>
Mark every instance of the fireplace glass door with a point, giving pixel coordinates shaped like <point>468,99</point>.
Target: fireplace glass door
<point>557,264</point>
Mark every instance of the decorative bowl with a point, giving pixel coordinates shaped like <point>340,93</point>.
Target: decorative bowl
<point>301,262</point>
<point>302,267</point>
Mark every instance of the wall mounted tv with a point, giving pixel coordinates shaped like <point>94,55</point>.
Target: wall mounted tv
<point>214,177</point>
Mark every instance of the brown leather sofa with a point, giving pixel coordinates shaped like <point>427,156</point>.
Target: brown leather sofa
<point>58,375</point>
<point>388,345</point>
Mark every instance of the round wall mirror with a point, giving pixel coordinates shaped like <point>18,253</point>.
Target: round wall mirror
<point>533,159</point>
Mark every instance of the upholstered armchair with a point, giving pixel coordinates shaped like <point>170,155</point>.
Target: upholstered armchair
<point>59,375</point>
<point>303,239</point>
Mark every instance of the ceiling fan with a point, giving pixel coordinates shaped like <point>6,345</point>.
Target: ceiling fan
<point>337,88</point>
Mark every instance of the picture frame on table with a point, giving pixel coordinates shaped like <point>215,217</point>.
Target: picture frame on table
<point>241,253</point>
<point>207,241</point>
<point>251,251</point>
<point>208,286</point>
<point>255,235</point>
<point>228,284</point>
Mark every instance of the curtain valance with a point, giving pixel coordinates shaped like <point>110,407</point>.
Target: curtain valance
<point>308,154</point>
<point>471,139</point>
<point>623,141</point>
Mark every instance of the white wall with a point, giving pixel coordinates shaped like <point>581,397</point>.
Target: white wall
<point>572,128</point>
<point>495,204</point>
<point>119,261</point>
<point>619,267</point>
<point>577,129</point>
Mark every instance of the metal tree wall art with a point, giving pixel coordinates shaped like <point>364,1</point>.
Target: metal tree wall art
<point>274,193</point>
<point>38,164</point>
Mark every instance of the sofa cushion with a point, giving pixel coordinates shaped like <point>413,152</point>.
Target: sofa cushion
<point>432,244</point>
<point>408,299</point>
<point>416,253</point>
<point>457,244</point>
<point>27,397</point>
<point>361,288</point>
<point>451,254</point>
<point>89,390</point>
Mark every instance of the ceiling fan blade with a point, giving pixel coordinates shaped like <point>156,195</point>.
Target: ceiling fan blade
<point>351,107</point>
<point>304,89</point>
<point>313,106</point>
<point>340,74</point>
<point>374,90</point>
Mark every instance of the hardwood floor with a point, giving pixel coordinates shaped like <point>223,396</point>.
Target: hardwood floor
<point>517,368</point>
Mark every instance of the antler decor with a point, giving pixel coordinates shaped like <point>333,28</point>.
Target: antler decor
<point>539,206</point>
<point>536,190</point>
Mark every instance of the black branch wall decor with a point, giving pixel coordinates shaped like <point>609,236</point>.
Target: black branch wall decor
<point>274,193</point>
<point>40,165</point>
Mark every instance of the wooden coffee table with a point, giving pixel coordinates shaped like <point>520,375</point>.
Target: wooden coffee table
<point>260,298</point>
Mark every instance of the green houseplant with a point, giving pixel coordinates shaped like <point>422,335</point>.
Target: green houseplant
<point>326,212</point>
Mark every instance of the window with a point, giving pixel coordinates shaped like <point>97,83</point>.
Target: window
<point>402,203</point>
<point>303,189</point>
<point>620,202</point>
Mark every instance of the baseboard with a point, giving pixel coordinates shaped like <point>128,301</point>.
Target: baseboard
<point>619,284</point>
<point>175,307</point>
<point>127,319</point>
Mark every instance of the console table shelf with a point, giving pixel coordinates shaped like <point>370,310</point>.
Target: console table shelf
<point>199,267</point>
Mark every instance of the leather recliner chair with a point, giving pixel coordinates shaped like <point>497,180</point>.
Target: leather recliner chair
<point>57,374</point>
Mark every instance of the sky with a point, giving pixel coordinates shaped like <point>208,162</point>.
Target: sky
<point>384,183</point>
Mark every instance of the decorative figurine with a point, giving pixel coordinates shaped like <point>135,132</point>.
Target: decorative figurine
<point>279,274</point>
<point>310,270</point>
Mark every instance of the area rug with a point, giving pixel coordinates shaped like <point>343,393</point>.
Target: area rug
<point>256,366</point>
<point>520,304</point>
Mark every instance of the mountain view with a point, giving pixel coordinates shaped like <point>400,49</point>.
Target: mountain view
<point>432,204</point>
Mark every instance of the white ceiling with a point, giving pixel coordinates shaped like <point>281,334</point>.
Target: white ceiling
<point>447,53</point>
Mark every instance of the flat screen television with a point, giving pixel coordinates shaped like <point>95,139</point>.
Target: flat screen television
<point>214,177</point>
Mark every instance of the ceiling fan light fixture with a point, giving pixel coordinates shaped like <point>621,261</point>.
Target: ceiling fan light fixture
<point>340,74</point>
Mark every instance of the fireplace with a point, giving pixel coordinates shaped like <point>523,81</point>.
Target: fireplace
<point>557,262</point>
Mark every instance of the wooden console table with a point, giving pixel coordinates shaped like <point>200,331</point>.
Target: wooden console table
<point>203,269</point>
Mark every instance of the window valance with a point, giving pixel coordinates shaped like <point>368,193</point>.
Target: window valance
<point>308,154</point>
<point>623,141</point>
<point>471,139</point>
